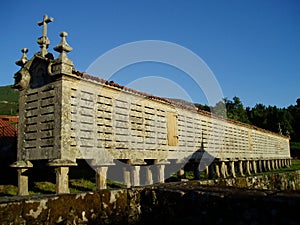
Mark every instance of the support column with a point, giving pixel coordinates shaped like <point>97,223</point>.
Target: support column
<point>22,182</point>
<point>276,164</point>
<point>161,173</point>
<point>217,170</point>
<point>265,165</point>
<point>254,166</point>
<point>22,167</point>
<point>126,176</point>
<point>149,178</point>
<point>135,175</point>
<point>62,180</point>
<point>206,171</point>
<point>101,175</point>
<point>260,166</point>
<point>61,170</point>
<point>273,164</point>
<point>269,165</point>
<point>223,169</point>
<point>241,169</point>
<point>248,168</point>
<point>280,163</point>
<point>232,168</point>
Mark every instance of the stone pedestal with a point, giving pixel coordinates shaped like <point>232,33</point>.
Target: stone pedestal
<point>260,166</point>
<point>135,176</point>
<point>149,178</point>
<point>254,167</point>
<point>272,164</point>
<point>101,175</point>
<point>161,173</point>
<point>241,168</point>
<point>22,167</point>
<point>217,170</point>
<point>248,168</point>
<point>61,170</point>
<point>62,180</point>
<point>22,182</point>
<point>126,175</point>
<point>223,169</point>
<point>269,165</point>
<point>232,168</point>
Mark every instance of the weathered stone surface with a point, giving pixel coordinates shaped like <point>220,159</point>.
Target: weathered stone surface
<point>169,203</point>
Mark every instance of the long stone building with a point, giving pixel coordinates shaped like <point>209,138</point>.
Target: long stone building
<point>66,115</point>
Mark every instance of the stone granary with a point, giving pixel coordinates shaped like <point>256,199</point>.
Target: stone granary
<point>66,115</point>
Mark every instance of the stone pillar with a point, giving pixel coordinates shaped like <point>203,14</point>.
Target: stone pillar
<point>22,182</point>
<point>101,175</point>
<point>62,180</point>
<point>206,171</point>
<point>269,165</point>
<point>272,164</point>
<point>149,178</point>
<point>260,166</point>
<point>161,173</point>
<point>241,169</point>
<point>280,163</point>
<point>232,169</point>
<point>61,170</point>
<point>248,167</point>
<point>254,166</point>
<point>22,167</point>
<point>276,164</point>
<point>217,170</point>
<point>135,176</point>
<point>126,176</point>
<point>265,165</point>
<point>223,169</point>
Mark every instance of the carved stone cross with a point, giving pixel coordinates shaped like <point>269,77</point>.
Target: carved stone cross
<point>44,40</point>
<point>44,23</point>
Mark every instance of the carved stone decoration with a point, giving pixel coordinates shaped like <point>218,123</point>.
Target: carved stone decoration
<point>22,79</point>
<point>63,64</point>
<point>24,59</point>
<point>44,41</point>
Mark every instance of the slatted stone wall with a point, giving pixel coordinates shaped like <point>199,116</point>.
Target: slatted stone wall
<point>39,130</point>
<point>104,122</point>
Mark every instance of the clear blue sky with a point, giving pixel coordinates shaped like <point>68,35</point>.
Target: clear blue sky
<point>252,47</point>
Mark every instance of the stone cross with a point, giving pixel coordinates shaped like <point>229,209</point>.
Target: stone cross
<point>44,23</point>
<point>44,40</point>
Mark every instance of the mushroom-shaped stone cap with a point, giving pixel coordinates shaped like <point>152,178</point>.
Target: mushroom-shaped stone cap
<point>24,58</point>
<point>63,46</point>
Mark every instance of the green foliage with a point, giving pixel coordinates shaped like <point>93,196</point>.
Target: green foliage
<point>284,120</point>
<point>7,93</point>
<point>8,101</point>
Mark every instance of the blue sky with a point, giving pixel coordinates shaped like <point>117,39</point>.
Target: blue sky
<point>252,47</point>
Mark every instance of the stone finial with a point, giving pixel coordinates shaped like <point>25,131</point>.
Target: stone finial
<point>63,47</point>
<point>44,40</point>
<point>21,62</point>
<point>62,64</point>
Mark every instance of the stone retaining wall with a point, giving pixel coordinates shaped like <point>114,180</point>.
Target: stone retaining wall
<point>170,203</point>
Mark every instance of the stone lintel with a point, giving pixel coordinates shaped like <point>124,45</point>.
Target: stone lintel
<point>96,163</point>
<point>162,162</point>
<point>137,162</point>
<point>22,164</point>
<point>61,163</point>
